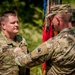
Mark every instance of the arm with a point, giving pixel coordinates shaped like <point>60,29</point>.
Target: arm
<point>36,57</point>
<point>47,50</point>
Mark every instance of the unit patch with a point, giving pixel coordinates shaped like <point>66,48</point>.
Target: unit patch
<point>39,50</point>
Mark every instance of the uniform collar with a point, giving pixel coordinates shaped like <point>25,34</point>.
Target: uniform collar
<point>9,41</point>
<point>67,29</point>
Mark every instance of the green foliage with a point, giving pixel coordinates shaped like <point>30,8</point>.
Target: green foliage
<point>71,2</point>
<point>30,13</point>
<point>36,70</point>
<point>31,34</point>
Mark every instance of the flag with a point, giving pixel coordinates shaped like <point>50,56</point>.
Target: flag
<point>48,31</point>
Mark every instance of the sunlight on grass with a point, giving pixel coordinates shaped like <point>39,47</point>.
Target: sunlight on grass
<point>36,70</point>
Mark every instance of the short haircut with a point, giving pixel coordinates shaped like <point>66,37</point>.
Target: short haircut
<point>4,15</point>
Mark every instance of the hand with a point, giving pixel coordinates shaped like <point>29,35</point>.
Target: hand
<point>17,49</point>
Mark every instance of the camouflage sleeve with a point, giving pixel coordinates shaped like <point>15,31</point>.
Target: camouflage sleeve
<point>43,52</point>
<point>39,55</point>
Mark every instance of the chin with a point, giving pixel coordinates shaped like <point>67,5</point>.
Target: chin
<point>15,32</point>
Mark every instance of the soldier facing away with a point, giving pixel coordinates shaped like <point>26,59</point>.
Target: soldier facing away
<point>9,39</point>
<point>59,51</point>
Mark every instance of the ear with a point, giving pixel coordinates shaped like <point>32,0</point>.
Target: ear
<point>70,25</point>
<point>3,25</point>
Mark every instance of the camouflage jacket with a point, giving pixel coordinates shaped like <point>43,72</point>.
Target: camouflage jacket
<point>59,50</point>
<point>8,66</point>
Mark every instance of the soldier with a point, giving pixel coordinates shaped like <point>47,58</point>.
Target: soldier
<point>9,39</point>
<point>59,50</point>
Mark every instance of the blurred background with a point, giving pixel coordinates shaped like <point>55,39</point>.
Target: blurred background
<point>31,16</point>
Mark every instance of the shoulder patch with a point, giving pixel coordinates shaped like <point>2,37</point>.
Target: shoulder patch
<point>39,50</point>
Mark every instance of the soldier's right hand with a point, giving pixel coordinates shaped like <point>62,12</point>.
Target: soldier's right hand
<point>17,49</point>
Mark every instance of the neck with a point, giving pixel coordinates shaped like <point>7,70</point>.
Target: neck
<point>9,35</point>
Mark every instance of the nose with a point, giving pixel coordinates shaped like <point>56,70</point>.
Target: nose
<point>16,23</point>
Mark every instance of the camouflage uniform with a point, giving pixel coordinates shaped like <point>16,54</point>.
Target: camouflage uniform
<point>8,66</point>
<point>57,9</point>
<point>59,50</point>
